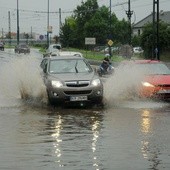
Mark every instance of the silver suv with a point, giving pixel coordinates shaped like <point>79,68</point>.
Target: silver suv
<point>71,79</point>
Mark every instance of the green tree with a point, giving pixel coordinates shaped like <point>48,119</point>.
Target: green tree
<point>147,38</point>
<point>89,20</point>
<point>136,40</point>
<point>83,14</point>
<point>97,26</point>
<point>67,34</point>
<point>120,31</point>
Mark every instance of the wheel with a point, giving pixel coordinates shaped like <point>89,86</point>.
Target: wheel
<point>100,103</point>
<point>51,100</point>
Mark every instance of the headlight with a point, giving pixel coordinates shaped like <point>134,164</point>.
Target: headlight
<point>96,82</point>
<point>56,84</point>
<point>146,84</point>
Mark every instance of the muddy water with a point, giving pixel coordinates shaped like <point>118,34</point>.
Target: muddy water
<point>125,134</point>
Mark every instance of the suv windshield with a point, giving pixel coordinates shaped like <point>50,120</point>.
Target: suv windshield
<point>69,66</point>
<point>23,46</point>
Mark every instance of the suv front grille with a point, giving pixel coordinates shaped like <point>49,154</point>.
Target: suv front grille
<point>77,92</point>
<point>77,83</point>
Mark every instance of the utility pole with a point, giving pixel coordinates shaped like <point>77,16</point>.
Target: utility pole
<point>2,33</point>
<point>129,15</point>
<point>60,20</point>
<point>155,45</point>
<point>17,23</point>
<point>110,29</point>
<point>47,23</point>
<point>9,22</point>
<point>60,24</point>
<point>31,35</point>
<point>158,46</point>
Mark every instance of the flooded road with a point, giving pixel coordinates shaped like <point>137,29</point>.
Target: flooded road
<point>124,135</point>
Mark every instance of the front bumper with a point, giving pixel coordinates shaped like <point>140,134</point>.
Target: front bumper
<point>92,94</point>
<point>156,92</point>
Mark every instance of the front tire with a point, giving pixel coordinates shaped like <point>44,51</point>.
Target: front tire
<point>51,100</point>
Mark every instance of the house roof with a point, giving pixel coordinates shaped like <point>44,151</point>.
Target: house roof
<point>163,16</point>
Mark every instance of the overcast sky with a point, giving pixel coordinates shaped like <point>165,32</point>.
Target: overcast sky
<point>33,13</point>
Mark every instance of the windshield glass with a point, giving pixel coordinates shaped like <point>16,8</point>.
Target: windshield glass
<point>69,66</point>
<point>154,68</point>
<point>23,46</point>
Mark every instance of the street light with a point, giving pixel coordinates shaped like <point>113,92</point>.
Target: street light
<point>17,23</point>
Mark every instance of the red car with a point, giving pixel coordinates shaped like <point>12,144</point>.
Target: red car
<point>155,82</point>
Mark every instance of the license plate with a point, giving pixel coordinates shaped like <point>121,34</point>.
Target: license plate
<point>78,98</point>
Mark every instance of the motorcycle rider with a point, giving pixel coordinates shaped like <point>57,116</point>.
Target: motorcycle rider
<point>105,64</point>
<point>105,67</point>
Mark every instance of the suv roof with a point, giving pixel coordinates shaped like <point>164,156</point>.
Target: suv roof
<point>64,57</point>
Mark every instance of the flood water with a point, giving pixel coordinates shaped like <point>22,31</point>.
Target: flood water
<point>124,135</point>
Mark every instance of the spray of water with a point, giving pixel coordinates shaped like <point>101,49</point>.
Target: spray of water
<point>21,78</point>
<point>121,85</point>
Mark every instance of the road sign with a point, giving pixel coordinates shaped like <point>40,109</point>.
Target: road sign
<point>41,37</point>
<point>110,42</point>
<point>49,29</point>
<point>90,41</point>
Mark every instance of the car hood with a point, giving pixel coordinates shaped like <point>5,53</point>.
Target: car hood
<point>73,76</point>
<point>158,79</point>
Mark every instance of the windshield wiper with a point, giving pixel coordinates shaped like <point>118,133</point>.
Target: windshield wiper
<point>76,67</point>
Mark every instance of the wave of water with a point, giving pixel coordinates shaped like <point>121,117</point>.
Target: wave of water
<point>21,78</point>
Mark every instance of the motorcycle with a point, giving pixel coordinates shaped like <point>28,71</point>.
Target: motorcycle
<point>105,70</point>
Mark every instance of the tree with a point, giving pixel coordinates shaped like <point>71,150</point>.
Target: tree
<point>56,39</point>
<point>67,34</point>
<point>26,36</point>
<point>136,41</point>
<point>120,31</point>
<point>89,20</point>
<point>97,26</point>
<point>82,15</point>
<point>147,38</point>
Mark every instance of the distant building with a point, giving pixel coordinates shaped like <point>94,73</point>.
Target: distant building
<point>163,16</point>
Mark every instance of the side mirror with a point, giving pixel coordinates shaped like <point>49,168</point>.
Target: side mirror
<point>45,69</point>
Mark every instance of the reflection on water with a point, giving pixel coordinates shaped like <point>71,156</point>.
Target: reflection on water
<point>73,134</point>
<point>146,122</point>
<point>56,135</point>
<point>152,154</point>
<point>149,149</point>
<point>95,131</point>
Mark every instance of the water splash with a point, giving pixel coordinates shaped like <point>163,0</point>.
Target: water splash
<point>120,90</point>
<point>120,84</point>
<point>21,78</point>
